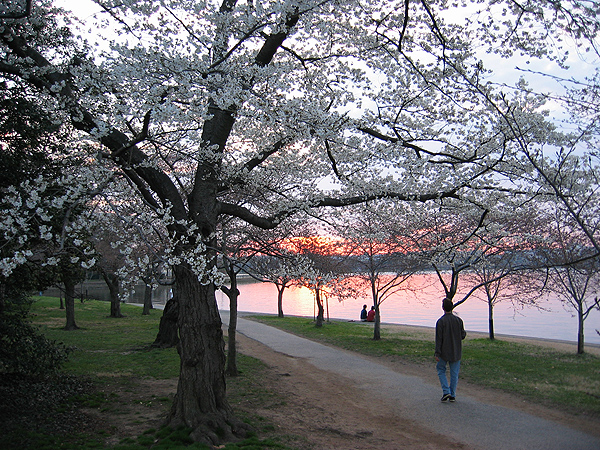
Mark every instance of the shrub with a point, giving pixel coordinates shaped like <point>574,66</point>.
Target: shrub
<point>24,350</point>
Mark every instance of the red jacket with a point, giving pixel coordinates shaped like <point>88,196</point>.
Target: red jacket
<point>371,316</point>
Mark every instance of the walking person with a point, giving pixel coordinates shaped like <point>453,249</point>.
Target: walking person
<point>449,334</point>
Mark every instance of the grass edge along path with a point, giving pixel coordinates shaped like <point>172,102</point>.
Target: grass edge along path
<point>538,373</point>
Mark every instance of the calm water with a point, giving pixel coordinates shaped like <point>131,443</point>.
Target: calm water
<point>424,309</point>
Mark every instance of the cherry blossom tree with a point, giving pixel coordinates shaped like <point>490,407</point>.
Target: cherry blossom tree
<point>109,262</point>
<point>508,272</point>
<point>379,240</point>
<point>277,269</point>
<point>321,270</point>
<point>278,260</point>
<point>502,277</point>
<point>260,110</point>
<point>473,249</point>
<point>235,253</point>
<point>572,269</point>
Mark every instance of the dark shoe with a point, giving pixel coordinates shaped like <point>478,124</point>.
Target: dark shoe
<point>445,398</point>
<point>452,399</point>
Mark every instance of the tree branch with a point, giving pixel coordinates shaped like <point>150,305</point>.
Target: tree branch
<point>274,41</point>
<point>404,24</point>
<point>332,159</point>
<point>123,151</point>
<point>271,222</point>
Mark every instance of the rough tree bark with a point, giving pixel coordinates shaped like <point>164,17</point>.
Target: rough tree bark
<point>377,325</point>
<point>147,300</point>
<point>232,369</point>
<point>280,289</point>
<point>320,309</point>
<point>580,335</point>
<point>148,289</point>
<point>70,304</point>
<point>491,319</point>
<point>168,335</point>
<point>232,293</point>
<point>113,283</point>
<point>200,402</point>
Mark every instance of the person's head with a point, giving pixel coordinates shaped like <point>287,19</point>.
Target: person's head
<point>364,306</point>
<point>447,305</point>
<point>372,308</point>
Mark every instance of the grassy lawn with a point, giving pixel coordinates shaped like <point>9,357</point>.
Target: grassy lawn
<point>541,374</point>
<point>104,344</point>
<point>109,358</point>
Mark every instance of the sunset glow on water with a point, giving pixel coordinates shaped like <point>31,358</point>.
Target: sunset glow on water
<point>423,308</point>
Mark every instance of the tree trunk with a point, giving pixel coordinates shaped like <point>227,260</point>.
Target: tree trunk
<point>280,289</point>
<point>232,369</point>
<point>377,326</point>
<point>491,319</point>
<point>580,336</point>
<point>200,402</point>
<point>70,305</point>
<point>147,300</point>
<point>321,310</point>
<point>112,281</point>
<point>233,294</point>
<point>168,335</point>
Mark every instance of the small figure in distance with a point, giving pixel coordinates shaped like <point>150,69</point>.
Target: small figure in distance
<point>363,314</point>
<point>449,334</point>
<point>371,315</point>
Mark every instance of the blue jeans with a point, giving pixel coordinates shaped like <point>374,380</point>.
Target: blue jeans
<point>454,369</point>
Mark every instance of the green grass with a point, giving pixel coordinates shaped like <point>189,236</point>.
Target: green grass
<point>105,345</point>
<point>552,377</point>
<point>113,355</point>
<point>541,374</point>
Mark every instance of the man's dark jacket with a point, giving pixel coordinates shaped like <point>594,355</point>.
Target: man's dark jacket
<point>449,333</point>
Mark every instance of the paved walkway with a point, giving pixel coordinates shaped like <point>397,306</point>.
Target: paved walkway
<point>469,421</point>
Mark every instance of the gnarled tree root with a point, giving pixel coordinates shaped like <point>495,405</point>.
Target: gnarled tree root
<point>215,429</point>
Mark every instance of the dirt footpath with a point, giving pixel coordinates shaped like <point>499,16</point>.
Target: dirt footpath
<point>330,413</point>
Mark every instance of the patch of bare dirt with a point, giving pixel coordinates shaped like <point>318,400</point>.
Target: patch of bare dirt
<point>135,407</point>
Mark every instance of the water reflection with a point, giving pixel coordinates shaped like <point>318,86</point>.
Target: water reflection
<point>423,307</point>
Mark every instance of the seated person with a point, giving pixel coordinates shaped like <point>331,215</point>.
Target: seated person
<point>363,314</point>
<point>371,315</point>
